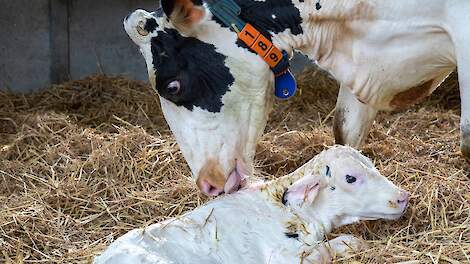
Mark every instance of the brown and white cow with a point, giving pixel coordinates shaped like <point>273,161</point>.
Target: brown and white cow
<point>216,94</point>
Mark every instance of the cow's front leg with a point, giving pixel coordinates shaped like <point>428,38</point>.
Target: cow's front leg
<point>342,246</point>
<point>460,32</point>
<point>465,122</point>
<point>352,120</point>
<point>464,85</point>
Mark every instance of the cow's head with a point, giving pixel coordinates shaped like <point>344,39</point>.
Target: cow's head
<point>215,94</point>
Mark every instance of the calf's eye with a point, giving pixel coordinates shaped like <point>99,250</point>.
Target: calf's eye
<point>350,179</point>
<point>174,87</point>
<point>328,171</point>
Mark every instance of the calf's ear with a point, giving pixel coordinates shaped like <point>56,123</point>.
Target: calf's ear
<point>302,192</point>
<point>184,14</point>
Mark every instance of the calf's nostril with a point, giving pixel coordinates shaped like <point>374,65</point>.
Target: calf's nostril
<point>403,199</point>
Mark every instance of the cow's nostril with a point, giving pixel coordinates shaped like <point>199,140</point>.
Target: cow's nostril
<point>210,190</point>
<point>211,179</point>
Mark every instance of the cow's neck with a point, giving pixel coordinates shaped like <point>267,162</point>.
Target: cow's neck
<point>325,29</point>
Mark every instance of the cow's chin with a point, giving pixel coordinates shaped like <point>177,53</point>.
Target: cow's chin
<point>237,178</point>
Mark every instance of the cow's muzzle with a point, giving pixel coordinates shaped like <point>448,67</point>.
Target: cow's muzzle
<point>212,181</point>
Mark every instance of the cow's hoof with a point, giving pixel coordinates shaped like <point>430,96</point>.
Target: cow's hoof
<point>465,143</point>
<point>465,148</point>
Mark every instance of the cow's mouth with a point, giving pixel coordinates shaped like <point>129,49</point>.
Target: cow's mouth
<point>213,182</point>
<point>237,178</point>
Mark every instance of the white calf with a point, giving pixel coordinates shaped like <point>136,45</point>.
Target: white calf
<point>282,221</point>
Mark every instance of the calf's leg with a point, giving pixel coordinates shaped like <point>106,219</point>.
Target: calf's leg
<point>346,244</point>
<point>352,119</point>
<point>341,246</point>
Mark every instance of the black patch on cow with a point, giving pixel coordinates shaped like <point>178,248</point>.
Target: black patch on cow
<point>269,16</point>
<point>318,6</point>
<point>168,6</point>
<point>196,65</point>
<point>292,235</point>
<point>150,25</point>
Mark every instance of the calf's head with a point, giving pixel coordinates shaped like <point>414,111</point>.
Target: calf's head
<point>214,93</point>
<point>342,185</point>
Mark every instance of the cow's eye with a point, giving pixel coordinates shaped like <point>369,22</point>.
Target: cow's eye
<point>350,179</point>
<point>174,87</point>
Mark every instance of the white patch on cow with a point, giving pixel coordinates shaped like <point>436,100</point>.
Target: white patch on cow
<point>273,16</point>
<point>251,225</point>
<point>363,58</point>
<point>286,41</point>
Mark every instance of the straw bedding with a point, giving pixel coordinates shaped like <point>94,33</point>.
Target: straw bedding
<point>84,162</point>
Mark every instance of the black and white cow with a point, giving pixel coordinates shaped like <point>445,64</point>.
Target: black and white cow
<point>216,94</point>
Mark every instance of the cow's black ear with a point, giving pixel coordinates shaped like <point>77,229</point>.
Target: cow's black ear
<point>184,14</point>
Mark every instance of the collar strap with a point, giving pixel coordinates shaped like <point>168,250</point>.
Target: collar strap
<point>277,60</point>
<point>228,12</point>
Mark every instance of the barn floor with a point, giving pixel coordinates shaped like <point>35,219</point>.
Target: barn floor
<point>84,162</point>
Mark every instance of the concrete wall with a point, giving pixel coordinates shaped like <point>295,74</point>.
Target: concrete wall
<point>98,41</point>
<point>51,41</point>
<point>25,53</point>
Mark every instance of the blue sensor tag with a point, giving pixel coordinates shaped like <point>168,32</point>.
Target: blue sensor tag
<point>285,85</point>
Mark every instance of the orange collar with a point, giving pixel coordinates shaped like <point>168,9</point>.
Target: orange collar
<point>228,11</point>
